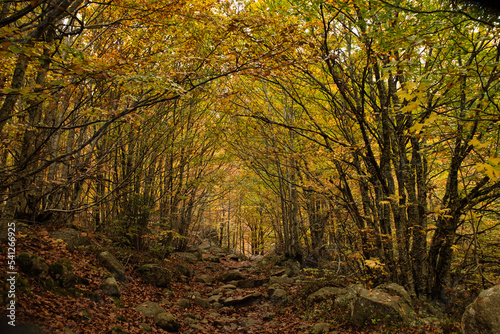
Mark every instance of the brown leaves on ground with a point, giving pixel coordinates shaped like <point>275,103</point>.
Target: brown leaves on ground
<point>92,312</point>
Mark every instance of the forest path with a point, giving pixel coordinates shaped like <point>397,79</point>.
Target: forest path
<point>208,292</point>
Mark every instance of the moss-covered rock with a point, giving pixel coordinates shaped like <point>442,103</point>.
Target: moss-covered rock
<point>62,273</point>
<point>155,274</point>
<point>32,265</point>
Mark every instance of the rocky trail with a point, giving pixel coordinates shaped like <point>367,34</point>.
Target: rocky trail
<point>72,283</point>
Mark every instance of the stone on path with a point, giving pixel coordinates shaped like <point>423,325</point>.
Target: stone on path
<point>155,275</point>
<point>114,266</point>
<point>150,309</point>
<point>243,300</point>
<point>167,321</point>
<point>110,287</point>
<point>232,275</point>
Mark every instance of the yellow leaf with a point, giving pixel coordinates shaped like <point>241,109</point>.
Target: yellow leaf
<point>496,161</point>
<point>417,128</point>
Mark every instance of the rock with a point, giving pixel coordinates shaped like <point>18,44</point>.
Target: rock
<point>213,259</point>
<point>248,322</point>
<point>251,283</point>
<point>183,303</point>
<point>396,290</point>
<point>155,275</point>
<point>168,293</point>
<point>215,292</point>
<point>320,328</point>
<point>292,268</point>
<point>227,287</point>
<point>71,237</point>
<point>203,302</point>
<point>110,287</point>
<point>193,295</point>
<point>325,293</point>
<point>256,258</point>
<point>483,315</point>
<point>182,270</point>
<point>282,280</point>
<point>114,266</point>
<point>150,309</point>
<point>214,298</point>
<point>62,273</point>
<point>280,272</point>
<point>233,257</point>
<point>167,321</point>
<point>32,265</point>
<point>145,327</point>
<point>347,295</point>
<point>379,306</point>
<point>207,279</point>
<point>209,247</point>
<point>279,296</point>
<point>243,300</point>
<point>232,275</point>
<point>224,321</point>
<point>190,257</point>
<point>271,288</point>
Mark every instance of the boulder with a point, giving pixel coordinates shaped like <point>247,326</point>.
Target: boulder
<point>155,275</point>
<point>209,247</point>
<point>378,306</point>
<point>167,321</point>
<point>190,257</point>
<point>214,298</point>
<point>182,270</point>
<point>62,273</point>
<point>227,287</point>
<point>279,296</point>
<point>279,272</point>
<point>251,283</point>
<point>32,265</point>
<point>292,268</point>
<point>150,309</point>
<point>71,237</point>
<point>483,315</point>
<point>145,327</point>
<point>248,322</point>
<point>114,266</point>
<point>203,302</point>
<point>110,287</point>
<point>207,279</point>
<point>243,300</point>
<point>232,275</point>
<point>282,280</point>
<point>183,303</point>
<point>347,295</point>
<point>213,259</point>
<point>396,290</point>
<point>326,293</point>
<point>233,257</point>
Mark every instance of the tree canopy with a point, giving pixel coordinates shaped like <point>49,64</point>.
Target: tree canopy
<point>359,133</point>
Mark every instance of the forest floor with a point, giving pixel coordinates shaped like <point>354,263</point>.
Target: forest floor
<point>91,311</point>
